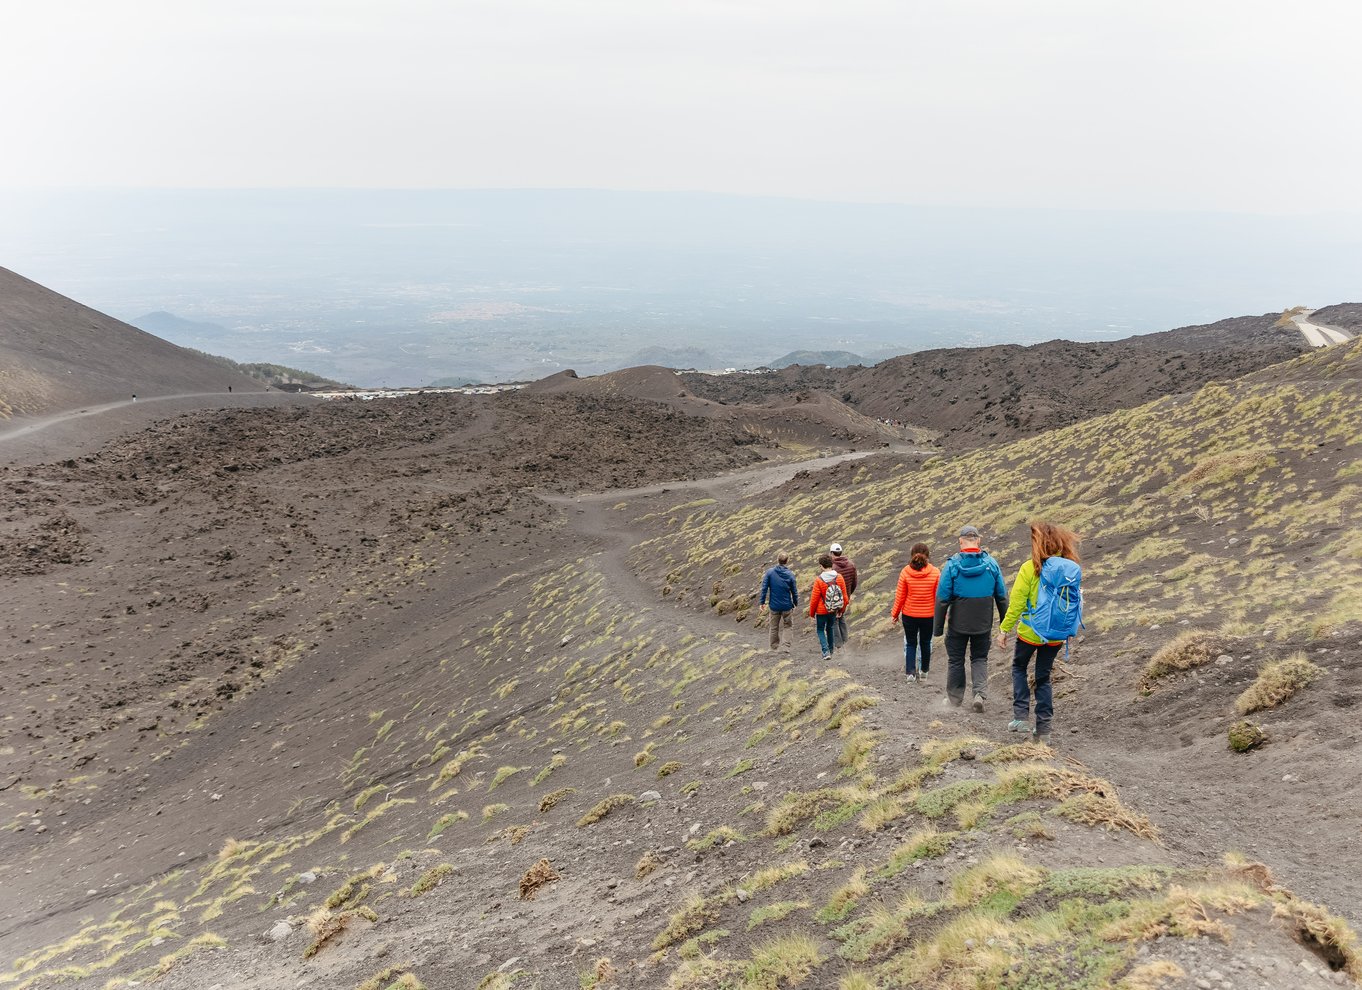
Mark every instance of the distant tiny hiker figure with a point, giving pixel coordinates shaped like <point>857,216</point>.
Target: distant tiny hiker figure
<point>780,594</point>
<point>915,605</point>
<point>971,587</point>
<point>847,568</point>
<point>827,600</point>
<point>1046,609</point>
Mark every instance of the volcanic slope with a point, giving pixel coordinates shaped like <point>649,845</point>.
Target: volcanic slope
<point>980,395</point>
<point>552,758</point>
<point>56,354</point>
<point>801,421</point>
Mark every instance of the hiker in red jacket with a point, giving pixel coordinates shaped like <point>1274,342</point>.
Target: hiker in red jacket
<point>827,601</point>
<point>843,565</point>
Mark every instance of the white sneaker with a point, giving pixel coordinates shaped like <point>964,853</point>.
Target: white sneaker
<point>911,678</point>
<point>978,702</point>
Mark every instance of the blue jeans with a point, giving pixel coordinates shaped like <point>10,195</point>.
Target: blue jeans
<point>917,644</point>
<point>1021,688</point>
<point>826,624</point>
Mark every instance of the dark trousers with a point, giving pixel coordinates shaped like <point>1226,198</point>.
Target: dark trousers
<point>956,644</point>
<point>917,641</point>
<point>839,630</point>
<point>1021,688</point>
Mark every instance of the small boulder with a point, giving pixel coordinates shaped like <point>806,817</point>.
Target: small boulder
<point>281,931</point>
<point>650,796</point>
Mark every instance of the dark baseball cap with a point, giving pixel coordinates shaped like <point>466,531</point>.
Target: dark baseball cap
<point>970,532</point>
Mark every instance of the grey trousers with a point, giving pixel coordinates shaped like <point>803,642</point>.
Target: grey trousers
<point>776,620</point>
<point>956,644</point>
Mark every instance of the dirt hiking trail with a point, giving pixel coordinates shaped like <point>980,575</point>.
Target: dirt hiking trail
<point>1312,842</point>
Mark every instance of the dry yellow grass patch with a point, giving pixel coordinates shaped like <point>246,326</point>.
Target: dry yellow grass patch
<point>1191,649</point>
<point>325,926</point>
<point>1277,681</point>
<point>773,875</point>
<point>536,876</point>
<point>1151,975</point>
<point>1106,810</point>
<point>1318,930</point>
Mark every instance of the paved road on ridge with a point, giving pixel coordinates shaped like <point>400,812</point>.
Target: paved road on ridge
<point>1319,334</point>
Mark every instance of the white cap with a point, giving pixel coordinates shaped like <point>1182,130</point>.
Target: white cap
<point>835,548</point>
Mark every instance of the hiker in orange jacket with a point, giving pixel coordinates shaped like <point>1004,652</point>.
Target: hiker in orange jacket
<point>915,605</point>
<point>827,601</point>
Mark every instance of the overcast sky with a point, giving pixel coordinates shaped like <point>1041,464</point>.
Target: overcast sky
<point>1141,104</point>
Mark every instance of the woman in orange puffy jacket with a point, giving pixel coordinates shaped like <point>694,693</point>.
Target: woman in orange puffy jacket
<point>915,605</point>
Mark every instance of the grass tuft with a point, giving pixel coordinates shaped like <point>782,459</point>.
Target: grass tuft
<point>431,879</point>
<point>1277,681</point>
<point>549,800</point>
<point>536,876</point>
<point>1245,735</point>
<point>1190,649</point>
<point>784,962</point>
<point>604,807</point>
<point>647,864</point>
<point>845,898</point>
<point>1108,811</point>
<point>1322,933</point>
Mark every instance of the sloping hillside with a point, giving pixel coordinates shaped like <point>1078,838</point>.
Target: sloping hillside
<point>980,395</point>
<point>500,739</point>
<point>802,420</point>
<point>1229,513</point>
<point>56,354</point>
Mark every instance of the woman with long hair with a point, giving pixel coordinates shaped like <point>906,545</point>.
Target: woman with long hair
<point>1047,541</point>
<point>915,606</point>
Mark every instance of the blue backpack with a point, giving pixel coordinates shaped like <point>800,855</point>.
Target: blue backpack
<point>1058,612</point>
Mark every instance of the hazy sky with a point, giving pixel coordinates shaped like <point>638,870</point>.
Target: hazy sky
<point>1194,104</point>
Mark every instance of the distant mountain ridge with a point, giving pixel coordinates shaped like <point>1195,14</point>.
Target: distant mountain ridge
<point>979,395</point>
<point>833,359</point>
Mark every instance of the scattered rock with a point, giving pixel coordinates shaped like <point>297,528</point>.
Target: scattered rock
<point>650,796</point>
<point>280,931</point>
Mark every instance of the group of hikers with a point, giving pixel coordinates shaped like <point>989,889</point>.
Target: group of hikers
<point>957,601</point>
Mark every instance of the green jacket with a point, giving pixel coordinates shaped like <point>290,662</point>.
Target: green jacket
<point>1024,590</point>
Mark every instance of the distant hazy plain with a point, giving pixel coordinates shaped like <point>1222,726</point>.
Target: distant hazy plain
<point>414,287</point>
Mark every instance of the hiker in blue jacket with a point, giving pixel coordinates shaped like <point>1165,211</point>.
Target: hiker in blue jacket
<point>780,594</point>
<point>971,589</point>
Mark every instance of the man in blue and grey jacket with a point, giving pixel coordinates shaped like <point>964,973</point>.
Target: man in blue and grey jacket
<point>781,593</point>
<point>970,590</point>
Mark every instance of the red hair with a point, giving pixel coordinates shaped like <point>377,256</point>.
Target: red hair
<point>1049,540</point>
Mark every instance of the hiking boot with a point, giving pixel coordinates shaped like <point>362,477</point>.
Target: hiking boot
<point>1041,736</point>
<point>978,703</point>
<point>1018,725</point>
<point>827,657</point>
